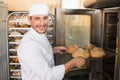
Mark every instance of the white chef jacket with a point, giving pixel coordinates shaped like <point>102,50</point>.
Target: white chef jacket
<point>36,58</point>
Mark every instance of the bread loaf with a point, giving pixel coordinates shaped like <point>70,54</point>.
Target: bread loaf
<point>88,46</point>
<point>97,52</point>
<point>81,53</point>
<point>15,60</point>
<point>24,26</point>
<point>18,39</point>
<point>70,49</point>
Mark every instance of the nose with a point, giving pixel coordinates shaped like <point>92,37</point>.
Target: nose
<point>42,22</point>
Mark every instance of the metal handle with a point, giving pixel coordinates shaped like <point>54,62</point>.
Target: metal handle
<point>3,20</point>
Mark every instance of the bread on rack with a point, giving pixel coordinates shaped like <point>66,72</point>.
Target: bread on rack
<point>16,74</point>
<point>12,25</point>
<point>15,60</point>
<point>16,46</point>
<point>15,33</point>
<point>11,39</point>
<point>97,52</point>
<point>24,26</point>
<point>81,53</point>
<point>70,49</point>
<point>18,39</point>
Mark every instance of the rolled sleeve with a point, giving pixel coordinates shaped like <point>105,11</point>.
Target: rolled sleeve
<point>56,73</point>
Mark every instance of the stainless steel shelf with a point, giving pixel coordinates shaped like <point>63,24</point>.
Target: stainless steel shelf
<point>19,20</point>
<point>15,35</point>
<point>13,56</point>
<point>14,63</point>
<point>14,42</point>
<point>17,77</point>
<point>18,70</point>
<point>19,28</point>
<point>12,49</point>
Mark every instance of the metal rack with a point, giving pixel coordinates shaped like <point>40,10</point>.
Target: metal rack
<point>18,25</point>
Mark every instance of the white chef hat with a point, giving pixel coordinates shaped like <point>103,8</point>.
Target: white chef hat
<point>38,9</point>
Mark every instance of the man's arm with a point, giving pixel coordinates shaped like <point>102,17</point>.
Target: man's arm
<point>75,62</point>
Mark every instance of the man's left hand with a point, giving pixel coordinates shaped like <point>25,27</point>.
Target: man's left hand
<point>59,50</point>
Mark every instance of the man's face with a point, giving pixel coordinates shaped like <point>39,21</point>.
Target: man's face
<point>39,22</point>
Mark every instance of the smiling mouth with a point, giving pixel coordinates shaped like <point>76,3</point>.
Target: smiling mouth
<point>41,25</point>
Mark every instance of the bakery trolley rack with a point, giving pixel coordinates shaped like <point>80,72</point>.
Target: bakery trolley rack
<point>17,25</point>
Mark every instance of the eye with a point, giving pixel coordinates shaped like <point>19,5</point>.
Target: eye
<point>46,17</point>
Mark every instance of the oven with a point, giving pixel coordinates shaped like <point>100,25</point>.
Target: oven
<point>95,26</point>
<point>77,26</point>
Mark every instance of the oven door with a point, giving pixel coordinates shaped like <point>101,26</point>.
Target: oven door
<point>111,42</point>
<point>117,62</point>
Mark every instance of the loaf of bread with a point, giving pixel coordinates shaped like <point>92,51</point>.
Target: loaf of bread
<point>24,26</point>
<point>12,25</point>
<point>15,60</point>
<point>16,74</point>
<point>87,51</point>
<point>88,46</point>
<point>81,53</point>
<point>70,49</point>
<point>18,39</point>
<point>97,52</point>
<point>16,46</point>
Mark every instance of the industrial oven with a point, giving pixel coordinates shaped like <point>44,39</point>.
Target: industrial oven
<point>90,26</point>
<point>77,26</point>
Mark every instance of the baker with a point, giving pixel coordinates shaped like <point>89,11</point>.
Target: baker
<point>35,53</point>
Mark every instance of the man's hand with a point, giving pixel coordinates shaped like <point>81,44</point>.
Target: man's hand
<point>75,62</point>
<point>79,61</point>
<point>59,49</point>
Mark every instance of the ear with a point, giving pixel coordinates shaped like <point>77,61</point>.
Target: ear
<point>28,18</point>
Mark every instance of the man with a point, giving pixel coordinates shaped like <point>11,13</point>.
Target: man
<point>35,52</point>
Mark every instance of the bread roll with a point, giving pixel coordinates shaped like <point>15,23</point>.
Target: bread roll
<point>70,49</point>
<point>12,25</point>
<point>24,26</point>
<point>88,46</point>
<point>97,52</point>
<point>15,60</point>
<point>81,53</point>
<point>18,39</point>
<point>16,74</point>
<point>16,46</point>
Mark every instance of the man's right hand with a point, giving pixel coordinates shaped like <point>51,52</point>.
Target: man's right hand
<point>78,62</point>
<point>75,62</point>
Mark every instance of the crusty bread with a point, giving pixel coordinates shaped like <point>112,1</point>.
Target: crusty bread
<point>88,46</point>
<point>15,60</point>
<point>81,53</point>
<point>24,26</point>
<point>97,52</point>
<point>70,49</point>
<point>89,50</point>
<point>18,39</point>
<point>12,25</point>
